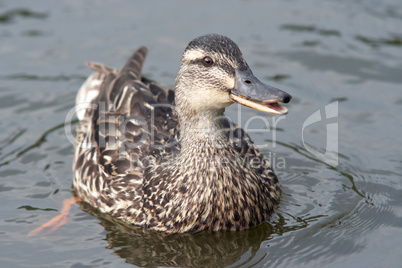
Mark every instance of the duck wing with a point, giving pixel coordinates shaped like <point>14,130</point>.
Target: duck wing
<point>125,121</point>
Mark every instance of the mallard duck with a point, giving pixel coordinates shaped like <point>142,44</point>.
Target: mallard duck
<point>169,160</point>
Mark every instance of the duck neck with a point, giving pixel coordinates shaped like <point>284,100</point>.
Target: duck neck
<point>201,128</point>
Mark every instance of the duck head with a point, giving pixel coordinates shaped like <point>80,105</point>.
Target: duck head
<point>214,74</point>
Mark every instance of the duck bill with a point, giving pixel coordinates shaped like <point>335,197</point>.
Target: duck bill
<point>251,92</point>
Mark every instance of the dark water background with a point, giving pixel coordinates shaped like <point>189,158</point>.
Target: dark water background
<point>346,215</point>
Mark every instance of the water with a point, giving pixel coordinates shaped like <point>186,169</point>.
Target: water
<point>344,215</point>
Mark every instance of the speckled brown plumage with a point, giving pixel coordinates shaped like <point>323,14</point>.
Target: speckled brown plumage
<point>171,168</point>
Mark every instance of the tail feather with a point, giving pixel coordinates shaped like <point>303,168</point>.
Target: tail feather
<point>101,68</point>
<point>134,65</point>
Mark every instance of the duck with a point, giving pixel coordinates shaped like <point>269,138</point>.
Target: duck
<point>169,160</point>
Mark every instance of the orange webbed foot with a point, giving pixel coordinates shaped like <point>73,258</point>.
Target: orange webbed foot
<point>59,220</point>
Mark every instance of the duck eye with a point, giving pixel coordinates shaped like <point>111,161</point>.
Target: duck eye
<point>207,61</point>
